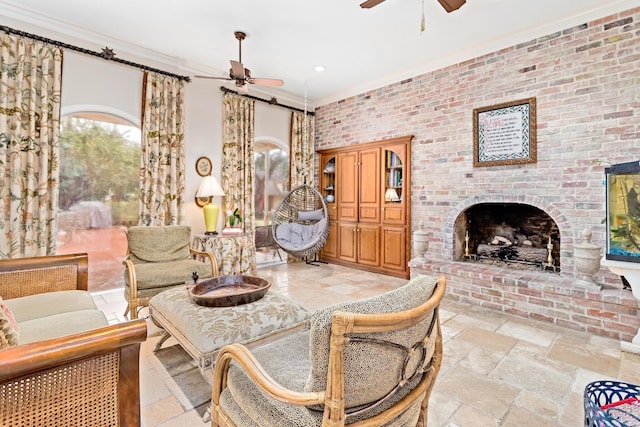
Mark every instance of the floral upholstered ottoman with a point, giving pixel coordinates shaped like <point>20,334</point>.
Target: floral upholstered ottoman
<point>203,331</point>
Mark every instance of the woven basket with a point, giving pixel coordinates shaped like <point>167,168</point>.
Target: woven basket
<point>599,393</point>
<point>300,199</point>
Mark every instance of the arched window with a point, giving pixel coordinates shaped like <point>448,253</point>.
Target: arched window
<point>99,182</point>
<point>272,178</point>
<point>271,185</point>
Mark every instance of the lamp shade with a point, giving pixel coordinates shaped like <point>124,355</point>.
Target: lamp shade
<point>391,195</point>
<point>209,187</point>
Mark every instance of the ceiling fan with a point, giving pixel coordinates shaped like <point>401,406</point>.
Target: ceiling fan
<point>242,75</point>
<point>449,5</point>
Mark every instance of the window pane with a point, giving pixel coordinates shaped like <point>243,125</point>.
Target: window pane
<point>99,176</point>
<point>272,180</point>
<point>271,185</point>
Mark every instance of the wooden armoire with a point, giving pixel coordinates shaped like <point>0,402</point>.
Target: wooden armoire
<point>367,188</point>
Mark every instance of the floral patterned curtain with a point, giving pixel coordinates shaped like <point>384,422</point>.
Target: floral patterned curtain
<point>301,149</point>
<point>162,169</point>
<point>30,84</point>
<point>238,165</point>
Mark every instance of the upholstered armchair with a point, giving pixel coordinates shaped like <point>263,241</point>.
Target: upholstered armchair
<point>159,258</point>
<point>371,362</point>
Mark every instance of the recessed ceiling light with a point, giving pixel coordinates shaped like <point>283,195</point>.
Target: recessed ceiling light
<point>319,68</point>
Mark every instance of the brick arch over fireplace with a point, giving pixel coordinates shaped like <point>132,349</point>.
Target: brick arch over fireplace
<point>564,227</point>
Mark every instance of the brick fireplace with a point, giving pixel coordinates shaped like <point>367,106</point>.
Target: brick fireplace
<point>584,79</point>
<point>516,235</point>
<point>554,295</point>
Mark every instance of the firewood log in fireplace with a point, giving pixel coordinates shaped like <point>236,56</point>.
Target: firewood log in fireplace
<point>513,253</point>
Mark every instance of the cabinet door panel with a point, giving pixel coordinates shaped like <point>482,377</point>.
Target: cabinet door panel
<point>394,248</point>
<point>349,212</point>
<point>330,249</point>
<point>369,244</point>
<point>347,239</point>
<point>347,186</point>
<point>393,214</point>
<point>369,180</point>
<point>332,208</point>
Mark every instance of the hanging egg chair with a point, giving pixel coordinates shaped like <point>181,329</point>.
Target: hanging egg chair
<point>300,223</point>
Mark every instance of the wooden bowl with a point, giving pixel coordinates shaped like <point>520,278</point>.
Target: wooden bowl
<point>229,291</point>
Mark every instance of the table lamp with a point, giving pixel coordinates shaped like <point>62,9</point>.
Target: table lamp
<point>391,195</point>
<point>210,187</point>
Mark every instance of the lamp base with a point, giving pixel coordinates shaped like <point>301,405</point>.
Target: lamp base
<point>210,218</point>
<point>211,233</point>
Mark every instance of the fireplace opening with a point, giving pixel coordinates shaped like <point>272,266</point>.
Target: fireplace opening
<point>515,235</point>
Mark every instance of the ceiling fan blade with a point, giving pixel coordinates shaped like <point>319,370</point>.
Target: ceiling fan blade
<point>237,70</point>
<point>451,5</point>
<point>265,82</point>
<point>212,78</point>
<point>370,3</point>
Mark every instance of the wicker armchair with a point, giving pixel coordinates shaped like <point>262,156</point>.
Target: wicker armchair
<point>159,258</point>
<point>88,378</point>
<point>371,362</point>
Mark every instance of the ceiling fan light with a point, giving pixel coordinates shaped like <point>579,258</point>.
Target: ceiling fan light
<point>319,68</point>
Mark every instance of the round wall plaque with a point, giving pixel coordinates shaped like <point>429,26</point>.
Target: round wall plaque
<point>203,166</point>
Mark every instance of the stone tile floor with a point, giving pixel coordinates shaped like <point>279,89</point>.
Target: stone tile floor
<point>498,370</point>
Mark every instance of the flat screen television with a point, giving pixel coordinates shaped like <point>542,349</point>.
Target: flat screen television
<point>623,211</point>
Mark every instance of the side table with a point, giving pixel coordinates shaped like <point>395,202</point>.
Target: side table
<point>231,252</point>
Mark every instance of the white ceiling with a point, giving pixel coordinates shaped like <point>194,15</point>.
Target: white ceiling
<point>361,48</point>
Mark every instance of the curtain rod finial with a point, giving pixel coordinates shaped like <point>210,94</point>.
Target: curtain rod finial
<point>108,53</point>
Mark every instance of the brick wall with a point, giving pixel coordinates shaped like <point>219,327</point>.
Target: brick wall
<point>586,81</point>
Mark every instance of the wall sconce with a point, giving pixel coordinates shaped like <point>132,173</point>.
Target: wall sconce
<point>208,189</point>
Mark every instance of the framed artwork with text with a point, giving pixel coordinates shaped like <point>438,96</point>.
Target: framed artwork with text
<point>505,134</point>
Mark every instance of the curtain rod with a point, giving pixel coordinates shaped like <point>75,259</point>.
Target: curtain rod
<point>272,101</point>
<point>105,54</point>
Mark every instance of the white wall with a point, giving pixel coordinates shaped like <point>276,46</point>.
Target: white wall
<point>90,83</point>
<point>272,122</point>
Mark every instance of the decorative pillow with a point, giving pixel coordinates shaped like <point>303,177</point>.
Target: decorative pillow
<point>9,331</point>
<point>316,215</point>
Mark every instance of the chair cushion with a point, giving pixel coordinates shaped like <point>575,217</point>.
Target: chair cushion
<point>9,330</point>
<point>163,274</point>
<point>159,244</point>
<point>287,362</point>
<point>295,236</point>
<point>50,303</point>
<point>364,362</point>
<point>315,215</point>
<point>59,325</point>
